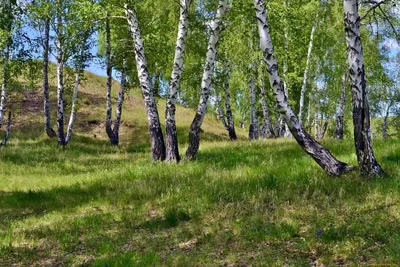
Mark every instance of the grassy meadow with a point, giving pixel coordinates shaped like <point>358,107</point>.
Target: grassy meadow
<point>262,203</point>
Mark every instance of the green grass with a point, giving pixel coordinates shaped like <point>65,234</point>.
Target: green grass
<point>262,203</point>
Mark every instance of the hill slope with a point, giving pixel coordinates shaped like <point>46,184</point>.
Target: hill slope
<point>90,120</point>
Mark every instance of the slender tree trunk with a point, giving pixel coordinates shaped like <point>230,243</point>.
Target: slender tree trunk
<point>120,102</point>
<point>194,132</point>
<point>385,121</point>
<point>73,106</point>
<point>5,83</point>
<point>8,128</point>
<point>316,125</point>
<point>243,119</point>
<point>46,105</point>
<point>309,122</point>
<point>156,135</point>
<point>282,128</point>
<point>253,127</point>
<point>60,81</point>
<point>172,146</point>
<point>321,155</point>
<point>304,86</point>
<point>361,117</point>
<point>324,128</point>
<point>267,131</point>
<point>340,110</point>
<point>220,112</point>
<point>228,110</point>
<point>109,130</point>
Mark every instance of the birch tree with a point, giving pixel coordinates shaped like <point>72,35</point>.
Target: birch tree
<point>340,109</point>
<point>320,154</point>
<point>361,116</point>
<point>172,149</point>
<point>6,24</point>
<point>267,131</point>
<point>304,85</point>
<point>194,131</point>
<point>156,135</point>
<point>253,126</point>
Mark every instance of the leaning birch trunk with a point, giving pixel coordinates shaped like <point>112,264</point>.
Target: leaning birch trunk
<point>361,117</point>
<point>321,155</point>
<point>73,106</point>
<point>120,102</point>
<point>172,146</point>
<point>340,110</point>
<point>267,131</point>
<point>8,128</point>
<point>156,135</point>
<point>194,131</point>
<point>228,110</point>
<point>253,127</point>
<point>60,83</point>
<point>109,131</point>
<point>46,101</point>
<point>304,85</point>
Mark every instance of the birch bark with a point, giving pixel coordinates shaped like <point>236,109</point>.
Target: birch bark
<point>253,127</point>
<point>46,101</point>
<point>172,147</point>
<point>228,110</point>
<point>321,155</point>
<point>267,131</point>
<point>340,110</point>
<point>304,85</point>
<point>194,132</point>
<point>60,79</point>
<point>361,117</point>
<point>109,130</point>
<point>156,135</point>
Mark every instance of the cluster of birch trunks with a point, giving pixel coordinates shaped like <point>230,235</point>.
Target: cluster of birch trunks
<point>168,149</point>
<point>366,159</point>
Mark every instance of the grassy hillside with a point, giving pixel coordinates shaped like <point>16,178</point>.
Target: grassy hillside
<point>90,121</point>
<point>263,203</point>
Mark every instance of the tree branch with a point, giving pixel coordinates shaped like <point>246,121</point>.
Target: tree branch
<point>376,5</point>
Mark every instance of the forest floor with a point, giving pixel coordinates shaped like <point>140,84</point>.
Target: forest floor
<point>262,203</point>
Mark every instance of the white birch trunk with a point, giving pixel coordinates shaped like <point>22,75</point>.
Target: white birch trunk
<point>60,80</point>
<point>172,147</point>
<point>253,127</point>
<point>267,131</point>
<point>361,117</point>
<point>8,129</point>
<point>385,121</point>
<point>228,110</point>
<point>120,102</point>
<point>321,155</point>
<point>340,110</point>
<point>156,135</point>
<point>304,85</point>
<point>73,106</point>
<point>46,99</point>
<point>194,132</point>
<point>109,68</point>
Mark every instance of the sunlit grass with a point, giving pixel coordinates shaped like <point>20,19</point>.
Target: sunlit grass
<point>259,203</point>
